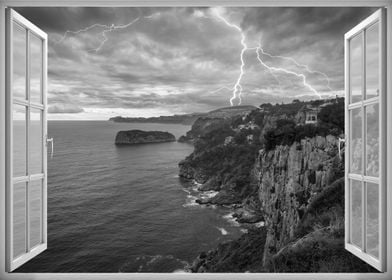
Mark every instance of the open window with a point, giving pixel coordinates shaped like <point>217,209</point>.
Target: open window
<point>366,133</point>
<point>26,200</point>
<point>365,125</point>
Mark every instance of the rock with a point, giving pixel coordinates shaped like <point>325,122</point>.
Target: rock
<point>185,139</point>
<point>131,137</point>
<point>245,216</point>
<point>244,254</point>
<point>211,185</point>
<point>289,179</point>
<point>186,170</point>
<point>225,198</point>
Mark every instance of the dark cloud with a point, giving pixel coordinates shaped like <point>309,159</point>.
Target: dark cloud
<point>178,60</point>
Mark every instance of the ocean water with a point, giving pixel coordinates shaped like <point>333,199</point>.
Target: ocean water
<point>123,209</point>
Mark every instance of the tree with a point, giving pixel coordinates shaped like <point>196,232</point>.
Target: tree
<point>333,115</point>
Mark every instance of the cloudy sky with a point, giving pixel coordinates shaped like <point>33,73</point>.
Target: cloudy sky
<point>105,62</point>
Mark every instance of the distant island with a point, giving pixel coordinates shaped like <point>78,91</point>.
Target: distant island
<point>188,119</point>
<point>130,137</point>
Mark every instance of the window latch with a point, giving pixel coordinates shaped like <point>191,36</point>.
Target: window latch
<point>341,140</point>
<point>50,140</point>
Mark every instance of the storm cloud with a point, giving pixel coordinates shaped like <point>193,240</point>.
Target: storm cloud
<point>154,61</point>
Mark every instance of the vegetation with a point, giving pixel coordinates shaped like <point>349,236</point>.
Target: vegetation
<point>332,116</point>
<point>226,155</point>
<point>318,251</point>
<point>229,165</point>
<point>215,135</point>
<point>244,254</point>
<point>287,131</point>
<point>319,240</point>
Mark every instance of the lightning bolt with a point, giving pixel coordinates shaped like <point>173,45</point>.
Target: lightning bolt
<point>306,67</point>
<point>279,69</point>
<point>79,31</point>
<point>107,29</point>
<point>221,88</point>
<point>237,88</point>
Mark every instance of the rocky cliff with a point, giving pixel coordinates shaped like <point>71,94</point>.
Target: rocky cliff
<point>289,179</point>
<point>270,168</point>
<point>130,137</point>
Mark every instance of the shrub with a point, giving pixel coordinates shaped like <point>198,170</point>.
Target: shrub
<point>332,116</point>
<point>214,137</point>
<point>236,121</point>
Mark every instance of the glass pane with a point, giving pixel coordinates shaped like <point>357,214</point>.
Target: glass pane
<point>35,139</point>
<point>19,140</point>
<point>356,213</point>
<point>372,229</point>
<point>372,140</point>
<point>19,62</point>
<point>35,212</point>
<point>19,219</point>
<point>35,69</point>
<point>372,61</point>
<point>356,76</point>
<point>356,141</point>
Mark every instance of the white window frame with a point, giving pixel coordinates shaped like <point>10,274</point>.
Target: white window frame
<point>165,3</point>
<point>11,262</point>
<point>378,263</point>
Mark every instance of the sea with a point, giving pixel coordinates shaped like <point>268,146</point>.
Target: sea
<point>124,208</point>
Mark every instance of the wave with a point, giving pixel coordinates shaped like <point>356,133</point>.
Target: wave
<point>186,190</point>
<point>233,221</point>
<point>180,271</point>
<point>222,230</point>
<point>194,193</point>
<point>190,201</point>
<point>259,224</point>
<point>208,194</point>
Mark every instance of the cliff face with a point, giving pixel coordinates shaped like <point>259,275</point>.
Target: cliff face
<point>289,178</point>
<point>130,137</point>
<point>269,167</point>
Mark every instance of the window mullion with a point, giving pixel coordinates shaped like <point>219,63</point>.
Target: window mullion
<point>27,218</point>
<point>364,186</point>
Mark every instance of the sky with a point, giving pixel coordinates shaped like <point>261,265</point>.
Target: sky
<point>143,62</point>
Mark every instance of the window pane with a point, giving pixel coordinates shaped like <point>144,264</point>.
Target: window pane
<point>372,140</point>
<point>356,76</point>
<point>356,213</point>
<point>19,140</point>
<point>35,69</point>
<point>19,219</point>
<point>356,141</point>
<point>35,139</point>
<point>19,62</point>
<point>372,61</point>
<point>35,212</point>
<point>372,227</point>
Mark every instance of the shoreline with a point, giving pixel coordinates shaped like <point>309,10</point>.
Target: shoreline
<point>239,216</point>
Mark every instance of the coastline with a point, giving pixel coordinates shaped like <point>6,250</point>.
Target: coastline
<point>235,217</point>
<point>282,180</point>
